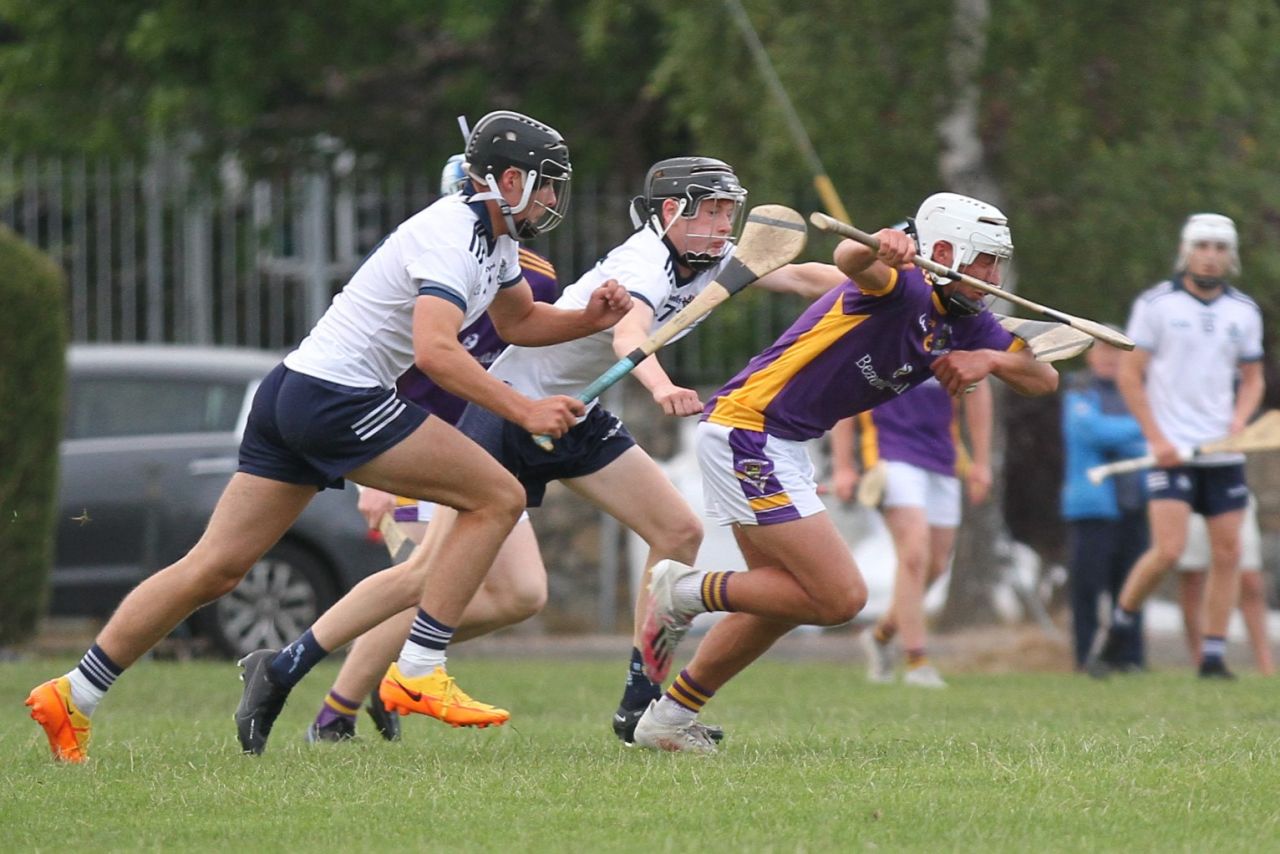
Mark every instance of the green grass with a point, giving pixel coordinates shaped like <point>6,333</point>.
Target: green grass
<point>815,760</point>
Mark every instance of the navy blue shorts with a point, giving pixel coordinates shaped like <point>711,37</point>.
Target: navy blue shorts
<point>588,447</point>
<point>1210,490</point>
<point>310,431</point>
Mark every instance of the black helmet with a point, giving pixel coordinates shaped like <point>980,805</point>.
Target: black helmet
<point>688,180</point>
<point>504,140</point>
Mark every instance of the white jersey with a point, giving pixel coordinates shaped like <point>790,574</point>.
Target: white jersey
<point>645,266</point>
<point>1195,347</point>
<point>365,338</point>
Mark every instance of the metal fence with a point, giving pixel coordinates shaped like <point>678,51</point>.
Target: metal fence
<point>163,252</point>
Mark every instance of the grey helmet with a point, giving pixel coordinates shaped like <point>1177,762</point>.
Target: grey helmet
<point>504,140</point>
<point>688,180</point>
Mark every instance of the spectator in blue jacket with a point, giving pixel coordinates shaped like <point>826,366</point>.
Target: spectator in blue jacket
<point>1107,522</point>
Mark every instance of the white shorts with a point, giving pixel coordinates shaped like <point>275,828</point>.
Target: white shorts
<point>911,486</point>
<point>409,510</point>
<point>752,478</point>
<point>1196,554</point>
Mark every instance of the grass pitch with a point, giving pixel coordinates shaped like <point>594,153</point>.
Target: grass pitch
<point>815,760</point>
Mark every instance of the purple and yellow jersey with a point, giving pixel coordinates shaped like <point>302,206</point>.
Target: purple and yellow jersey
<point>918,428</point>
<point>481,340</point>
<point>850,351</point>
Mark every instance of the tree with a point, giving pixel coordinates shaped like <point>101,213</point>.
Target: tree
<point>32,338</point>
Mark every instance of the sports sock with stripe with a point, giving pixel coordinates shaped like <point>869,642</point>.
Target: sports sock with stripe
<point>336,706</point>
<point>91,679</point>
<point>1212,648</point>
<point>425,649</point>
<point>682,701</point>
<point>704,591</point>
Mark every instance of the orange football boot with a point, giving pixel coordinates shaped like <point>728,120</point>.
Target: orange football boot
<point>64,725</point>
<point>439,696</point>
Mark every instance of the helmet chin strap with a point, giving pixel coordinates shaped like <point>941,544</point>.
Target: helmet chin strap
<point>956,303</point>
<point>1209,283</point>
<point>508,212</point>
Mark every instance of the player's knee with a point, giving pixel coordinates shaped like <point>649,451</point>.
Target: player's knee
<point>843,607</point>
<point>1252,588</point>
<point>216,580</point>
<point>1226,556</point>
<point>679,540</point>
<point>1167,554</point>
<point>525,600</point>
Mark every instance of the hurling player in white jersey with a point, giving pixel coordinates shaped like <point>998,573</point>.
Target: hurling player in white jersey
<point>331,411</point>
<point>1195,376</point>
<point>685,224</point>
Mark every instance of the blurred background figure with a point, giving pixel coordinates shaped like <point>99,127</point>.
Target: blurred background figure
<point>1192,569</point>
<point>1106,522</point>
<point>1195,376</point>
<point>914,440</point>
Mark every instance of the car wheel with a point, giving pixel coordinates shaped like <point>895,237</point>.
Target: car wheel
<point>284,593</point>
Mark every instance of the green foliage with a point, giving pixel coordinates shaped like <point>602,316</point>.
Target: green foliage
<point>815,760</point>
<point>276,83</point>
<point>1104,123</point>
<point>32,338</point>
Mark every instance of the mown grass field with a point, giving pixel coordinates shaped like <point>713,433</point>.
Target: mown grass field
<point>815,760</point>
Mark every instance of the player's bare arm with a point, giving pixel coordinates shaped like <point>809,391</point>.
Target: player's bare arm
<point>1131,380</point>
<point>809,280</point>
<point>960,369</point>
<point>628,334</point>
<point>520,320</point>
<point>870,269</point>
<point>978,407</point>
<point>1248,394</point>
<point>438,354</point>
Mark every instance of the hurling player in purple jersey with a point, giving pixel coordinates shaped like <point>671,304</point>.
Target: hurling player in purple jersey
<point>914,439</point>
<point>507,595</point>
<point>886,330</point>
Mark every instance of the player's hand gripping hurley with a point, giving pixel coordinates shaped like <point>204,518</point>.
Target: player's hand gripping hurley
<point>1262,435</point>
<point>772,237</point>
<point>1089,327</point>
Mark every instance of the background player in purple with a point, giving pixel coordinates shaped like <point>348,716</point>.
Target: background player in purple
<point>886,330</point>
<point>509,593</point>
<point>914,439</point>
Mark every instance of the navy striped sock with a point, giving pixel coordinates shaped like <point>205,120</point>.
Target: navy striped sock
<point>296,660</point>
<point>98,668</point>
<point>429,632</point>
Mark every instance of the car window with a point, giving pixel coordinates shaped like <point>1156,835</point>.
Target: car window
<point>102,407</point>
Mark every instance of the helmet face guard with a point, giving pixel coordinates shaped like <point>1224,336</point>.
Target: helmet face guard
<point>690,181</point>
<point>506,140</point>
<point>972,228</point>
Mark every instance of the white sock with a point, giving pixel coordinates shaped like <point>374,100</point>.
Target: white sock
<point>670,713</point>
<point>84,693</point>
<point>418,660</point>
<point>688,593</point>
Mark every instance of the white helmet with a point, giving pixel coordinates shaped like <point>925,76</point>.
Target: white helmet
<point>969,225</point>
<point>1213,228</point>
<point>454,175</point>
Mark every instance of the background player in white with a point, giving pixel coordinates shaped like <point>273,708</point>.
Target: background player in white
<point>1195,334</point>
<point>1193,568</point>
<point>330,411</point>
<point>685,221</point>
